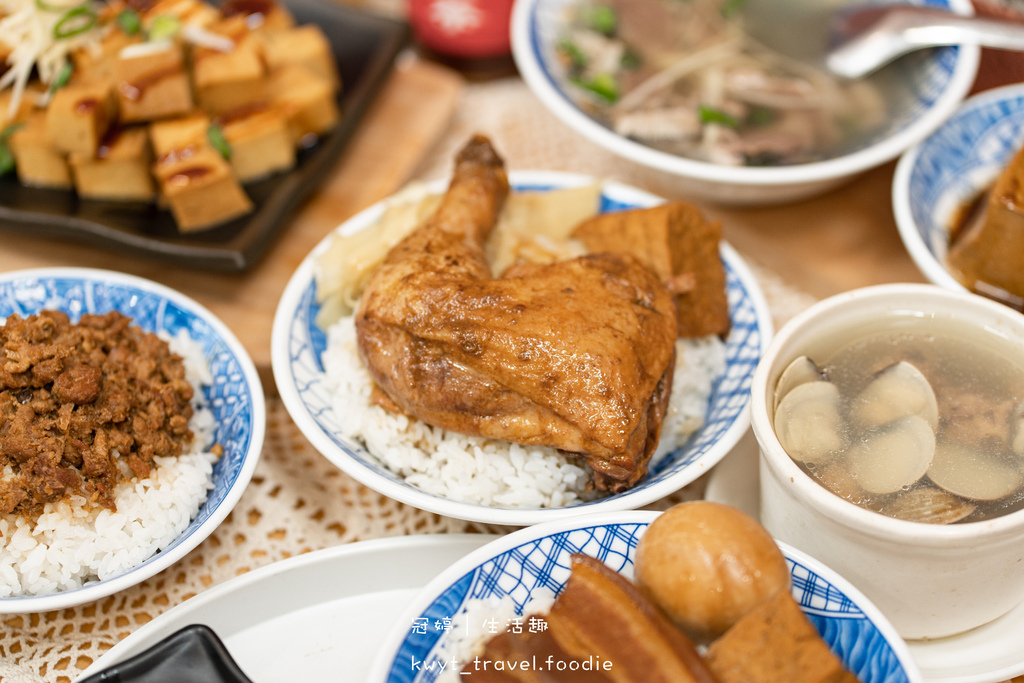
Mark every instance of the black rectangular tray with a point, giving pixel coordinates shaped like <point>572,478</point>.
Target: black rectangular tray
<point>365,47</point>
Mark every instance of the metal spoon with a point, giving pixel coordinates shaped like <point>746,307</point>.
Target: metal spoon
<point>866,38</point>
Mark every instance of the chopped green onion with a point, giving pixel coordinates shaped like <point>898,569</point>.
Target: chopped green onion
<point>129,21</point>
<point>578,59</point>
<point>731,8</point>
<point>164,26</point>
<point>711,115</point>
<point>630,59</point>
<point>761,116</point>
<point>6,156</point>
<point>215,134</point>
<point>602,19</point>
<point>74,22</point>
<point>63,76</point>
<point>603,85</point>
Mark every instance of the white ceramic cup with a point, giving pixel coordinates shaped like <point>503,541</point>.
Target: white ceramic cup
<point>929,580</point>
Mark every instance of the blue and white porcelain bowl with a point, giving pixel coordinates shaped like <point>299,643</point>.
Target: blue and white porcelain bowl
<point>535,561</point>
<point>298,344</point>
<point>235,396</point>
<point>949,169</point>
<point>930,87</point>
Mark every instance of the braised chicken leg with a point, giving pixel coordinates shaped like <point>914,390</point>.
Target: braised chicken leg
<point>576,355</point>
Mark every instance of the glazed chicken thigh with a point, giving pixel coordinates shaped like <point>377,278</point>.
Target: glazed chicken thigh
<point>577,355</point>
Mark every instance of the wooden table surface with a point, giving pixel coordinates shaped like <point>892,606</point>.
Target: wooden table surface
<point>841,240</point>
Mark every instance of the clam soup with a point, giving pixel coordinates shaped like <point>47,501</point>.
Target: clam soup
<point>910,418</point>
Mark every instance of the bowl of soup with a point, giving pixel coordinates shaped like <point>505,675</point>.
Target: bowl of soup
<point>889,421</point>
<point>683,89</point>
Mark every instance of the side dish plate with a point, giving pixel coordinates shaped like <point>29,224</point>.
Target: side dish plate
<point>365,47</point>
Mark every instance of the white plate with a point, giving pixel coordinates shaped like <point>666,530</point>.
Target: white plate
<point>988,654</point>
<point>314,617</point>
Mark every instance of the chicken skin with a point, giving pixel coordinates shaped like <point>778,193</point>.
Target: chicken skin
<point>577,355</point>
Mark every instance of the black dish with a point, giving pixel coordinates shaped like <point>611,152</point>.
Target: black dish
<point>193,654</point>
<point>365,47</point>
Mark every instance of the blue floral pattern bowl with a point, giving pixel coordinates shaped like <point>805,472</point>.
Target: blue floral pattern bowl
<point>235,396</point>
<point>537,560</point>
<point>951,168</point>
<point>298,343</point>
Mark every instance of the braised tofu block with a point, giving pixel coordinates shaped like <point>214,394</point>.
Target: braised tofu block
<point>307,101</point>
<point>228,80</point>
<point>305,45</point>
<point>78,116</point>
<point>36,161</point>
<point>985,254</point>
<point>192,12</point>
<point>120,170</point>
<point>175,134</point>
<point>681,247</point>
<point>97,63</point>
<point>775,642</point>
<point>151,82</point>
<point>261,16</point>
<point>199,188</point>
<point>260,142</point>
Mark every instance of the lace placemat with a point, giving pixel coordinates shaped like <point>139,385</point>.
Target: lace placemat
<point>298,501</point>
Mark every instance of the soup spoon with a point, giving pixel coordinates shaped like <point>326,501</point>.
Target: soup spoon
<point>867,38</point>
<point>854,42</point>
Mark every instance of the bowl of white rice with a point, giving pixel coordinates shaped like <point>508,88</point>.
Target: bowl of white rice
<point>74,552</point>
<point>499,586</point>
<point>327,391</point>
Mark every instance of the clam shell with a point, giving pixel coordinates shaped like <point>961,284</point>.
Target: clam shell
<point>893,458</point>
<point>972,473</point>
<point>897,391</point>
<point>801,371</point>
<point>808,422</point>
<point>928,505</point>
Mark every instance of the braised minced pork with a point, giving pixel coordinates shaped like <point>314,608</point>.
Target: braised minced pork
<point>83,407</point>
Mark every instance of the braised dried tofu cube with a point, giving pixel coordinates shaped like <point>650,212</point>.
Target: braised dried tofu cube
<point>260,16</point>
<point>78,117</point>
<point>306,45</point>
<point>681,247</point>
<point>36,161</point>
<point>152,82</point>
<point>228,80</point>
<point>176,134</point>
<point>97,63</point>
<point>200,189</point>
<point>120,170</point>
<point>307,100</point>
<point>260,143</point>
<point>192,12</point>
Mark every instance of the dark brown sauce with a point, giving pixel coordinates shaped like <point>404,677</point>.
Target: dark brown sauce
<point>86,106</point>
<point>109,140</point>
<point>232,8</point>
<point>187,175</point>
<point>136,90</point>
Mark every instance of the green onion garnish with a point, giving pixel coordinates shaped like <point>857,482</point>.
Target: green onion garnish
<point>602,19</point>
<point>761,116</point>
<point>731,8</point>
<point>603,85</point>
<point>577,58</point>
<point>63,76</point>
<point>129,21</point>
<point>6,156</point>
<point>711,115</point>
<point>215,134</point>
<point>630,59</point>
<point>164,26</point>
<point>74,22</point>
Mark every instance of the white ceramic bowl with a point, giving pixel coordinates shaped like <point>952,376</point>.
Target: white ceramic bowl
<point>235,396</point>
<point>297,345</point>
<point>934,86</point>
<point>929,580</point>
<point>535,561</point>
<point>950,168</point>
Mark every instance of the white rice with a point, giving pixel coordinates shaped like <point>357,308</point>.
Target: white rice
<point>488,471</point>
<point>72,543</point>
